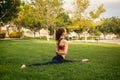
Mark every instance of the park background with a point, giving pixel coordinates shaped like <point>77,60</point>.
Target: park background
<point>27,30</point>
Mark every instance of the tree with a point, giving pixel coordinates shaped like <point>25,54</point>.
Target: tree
<point>109,25</point>
<point>28,18</point>
<point>47,11</point>
<point>81,22</point>
<point>39,13</point>
<point>84,26</point>
<point>115,25</point>
<point>96,14</point>
<point>62,20</point>
<point>9,10</point>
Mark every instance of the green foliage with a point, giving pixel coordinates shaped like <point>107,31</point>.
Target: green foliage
<point>80,22</point>
<point>95,32</point>
<point>9,9</point>
<point>51,29</point>
<point>83,25</point>
<point>47,11</point>
<point>43,37</point>
<point>2,34</point>
<point>28,18</point>
<point>39,14</point>
<point>14,35</point>
<point>109,25</point>
<point>62,20</point>
<point>79,7</point>
<point>96,14</point>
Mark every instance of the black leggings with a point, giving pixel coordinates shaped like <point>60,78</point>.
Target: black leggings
<point>55,60</point>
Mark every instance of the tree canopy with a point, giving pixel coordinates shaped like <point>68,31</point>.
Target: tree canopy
<point>96,14</point>
<point>9,9</point>
<point>50,14</point>
<point>109,25</point>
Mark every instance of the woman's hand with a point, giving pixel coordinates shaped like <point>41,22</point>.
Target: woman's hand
<point>60,52</point>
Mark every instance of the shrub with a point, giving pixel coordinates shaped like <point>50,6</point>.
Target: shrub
<point>14,35</point>
<point>90,38</point>
<point>43,37</point>
<point>2,34</point>
<point>82,38</point>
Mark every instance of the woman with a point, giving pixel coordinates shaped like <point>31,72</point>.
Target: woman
<point>61,50</point>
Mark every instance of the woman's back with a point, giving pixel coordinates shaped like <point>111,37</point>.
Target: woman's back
<point>62,47</point>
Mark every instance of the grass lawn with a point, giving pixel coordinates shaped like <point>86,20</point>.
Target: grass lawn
<point>104,61</point>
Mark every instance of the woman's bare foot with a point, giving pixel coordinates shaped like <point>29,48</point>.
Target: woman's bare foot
<point>85,60</point>
<point>23,66</point>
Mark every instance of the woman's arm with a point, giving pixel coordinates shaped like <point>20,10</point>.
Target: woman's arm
<point>56,47</point>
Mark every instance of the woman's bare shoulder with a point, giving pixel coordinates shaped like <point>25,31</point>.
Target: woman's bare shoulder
<point>64,41</point>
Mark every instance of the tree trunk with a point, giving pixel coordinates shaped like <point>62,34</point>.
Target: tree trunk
<point>47,34</point>
<point>39,34</point>
<point>118,35</point>
<point>85,35</point>
<point>19,31</point>
<point>54,33</point>
<point>0,28</point>
<point>104,36</point>
<point>8,33</point>
<point>34,33</point>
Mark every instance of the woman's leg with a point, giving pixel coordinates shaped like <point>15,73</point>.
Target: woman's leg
<point>65,60</point>
<point>55,60</point>
<point>36,64</point>
<point>82,60</point>
<point>39,64</point>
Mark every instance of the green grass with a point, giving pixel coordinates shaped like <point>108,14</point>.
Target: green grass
<point>104,61</point>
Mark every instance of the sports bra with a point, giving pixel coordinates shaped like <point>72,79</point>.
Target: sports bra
<point>61,48</point>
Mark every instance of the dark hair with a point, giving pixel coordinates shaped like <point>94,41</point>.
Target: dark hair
<point>59,32</point>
